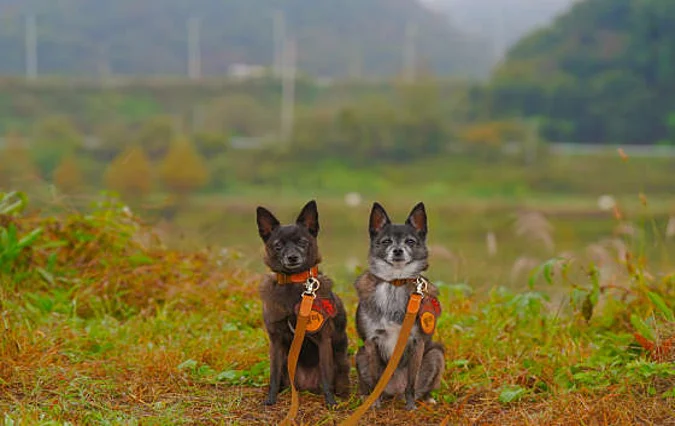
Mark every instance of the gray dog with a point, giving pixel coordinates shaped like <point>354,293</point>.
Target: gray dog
<point>398,255</point>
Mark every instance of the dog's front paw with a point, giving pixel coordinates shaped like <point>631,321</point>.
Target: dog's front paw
<point>377,404</point>
<point>330,400</point>
<point>410,405</point>
<point>270,401</point>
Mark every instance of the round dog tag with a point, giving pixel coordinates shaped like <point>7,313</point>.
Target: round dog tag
<point>322,309</point>
<point>429,311</point>
<point>315,321</point>
<point>428,322</point>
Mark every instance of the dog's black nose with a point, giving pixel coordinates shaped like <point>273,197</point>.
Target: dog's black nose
<point>293,259</point>
<point>398,252</point>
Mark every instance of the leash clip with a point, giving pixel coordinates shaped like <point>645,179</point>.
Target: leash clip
<point>311,286</point>
<point>422,286</point>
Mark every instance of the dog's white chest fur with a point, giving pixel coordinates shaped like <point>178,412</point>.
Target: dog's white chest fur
<point>389,299</point>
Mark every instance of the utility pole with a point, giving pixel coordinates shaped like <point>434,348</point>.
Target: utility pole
<point>356,63</point>
<point>533,136</point>
<point>197,118</point>
<point>103,64</point>
<point>499,34</point>
<point>194,48</point>
<point>279,41</point>
<point>31,48</point>
<point>409,53</point>
<point>288,89</point>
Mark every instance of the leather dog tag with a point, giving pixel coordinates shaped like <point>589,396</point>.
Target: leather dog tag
<point>429,312</point>
<point>315,321</point>
<point>322,308</point>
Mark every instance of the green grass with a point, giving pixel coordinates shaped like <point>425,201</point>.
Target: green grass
<point>467,199</point>
<point>101,325</point>
<point>452,176</point>
<point>458,232</point>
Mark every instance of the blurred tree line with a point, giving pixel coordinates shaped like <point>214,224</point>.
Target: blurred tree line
<point>602,73</point>
<point>232,140</point>
<point>157,159</point>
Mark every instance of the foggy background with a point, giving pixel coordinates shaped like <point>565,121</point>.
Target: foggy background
<point>492,111</point>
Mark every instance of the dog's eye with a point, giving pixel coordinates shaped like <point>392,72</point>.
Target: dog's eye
<point>410,242</point>
<point>303,243</point>
<point>386,241</point>
<point>278,246</point>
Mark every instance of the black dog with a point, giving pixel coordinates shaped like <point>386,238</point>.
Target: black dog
<point>292,253</point>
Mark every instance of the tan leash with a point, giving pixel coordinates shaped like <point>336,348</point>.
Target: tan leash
<point>412,310</point>
<point>311,286</point>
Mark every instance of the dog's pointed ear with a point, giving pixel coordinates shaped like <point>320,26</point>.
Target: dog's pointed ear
<point>309,218</point>
<point>418,219</point>
<point>267,223</point>
<point>378,219</point>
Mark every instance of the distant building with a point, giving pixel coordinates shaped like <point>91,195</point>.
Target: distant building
<point>246,71</point>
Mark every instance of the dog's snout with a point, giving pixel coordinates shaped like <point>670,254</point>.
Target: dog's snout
<point>293,258</point>
<point>398,252</point>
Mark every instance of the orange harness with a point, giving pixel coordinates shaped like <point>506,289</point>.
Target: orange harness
<point>311,286</point>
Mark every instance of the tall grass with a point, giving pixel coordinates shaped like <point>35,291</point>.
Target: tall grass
<point>102,323</point>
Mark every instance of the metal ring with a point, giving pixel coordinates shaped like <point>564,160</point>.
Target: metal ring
<point>311,286</point>
<point>422,286</point>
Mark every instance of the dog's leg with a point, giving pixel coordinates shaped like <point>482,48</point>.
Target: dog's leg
<point>363,370</point>
<point>414,364</point>
<point>342,367</point>
<point>327,368</point>
<point>277,364</point>
<point>369,368</point>
<point>431,371</point>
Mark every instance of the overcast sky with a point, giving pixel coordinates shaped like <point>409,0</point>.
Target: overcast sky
<point>502,21</point>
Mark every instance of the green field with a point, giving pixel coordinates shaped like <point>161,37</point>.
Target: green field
<point>469,200</point>
<point>466,198</point>
<point>103,326</point>
<point>554,309</point>
<point>458,233</point>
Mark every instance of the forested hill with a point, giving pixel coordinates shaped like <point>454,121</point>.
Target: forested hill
<point>335,37</point>
<point>604,72</point>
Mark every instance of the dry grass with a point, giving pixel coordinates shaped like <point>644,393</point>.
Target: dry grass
<point>102,325</point>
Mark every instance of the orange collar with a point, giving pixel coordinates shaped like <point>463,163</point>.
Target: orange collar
<point>299,278</point>
<point>403,281</point>
<point>397,282</point>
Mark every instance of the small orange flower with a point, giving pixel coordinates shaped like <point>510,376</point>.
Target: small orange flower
<point>622,154</point>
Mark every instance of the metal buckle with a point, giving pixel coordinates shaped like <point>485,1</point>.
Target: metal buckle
<point>311,286</point>
<point>422,286</point>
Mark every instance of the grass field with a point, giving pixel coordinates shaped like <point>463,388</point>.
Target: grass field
<point>102,324</point>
